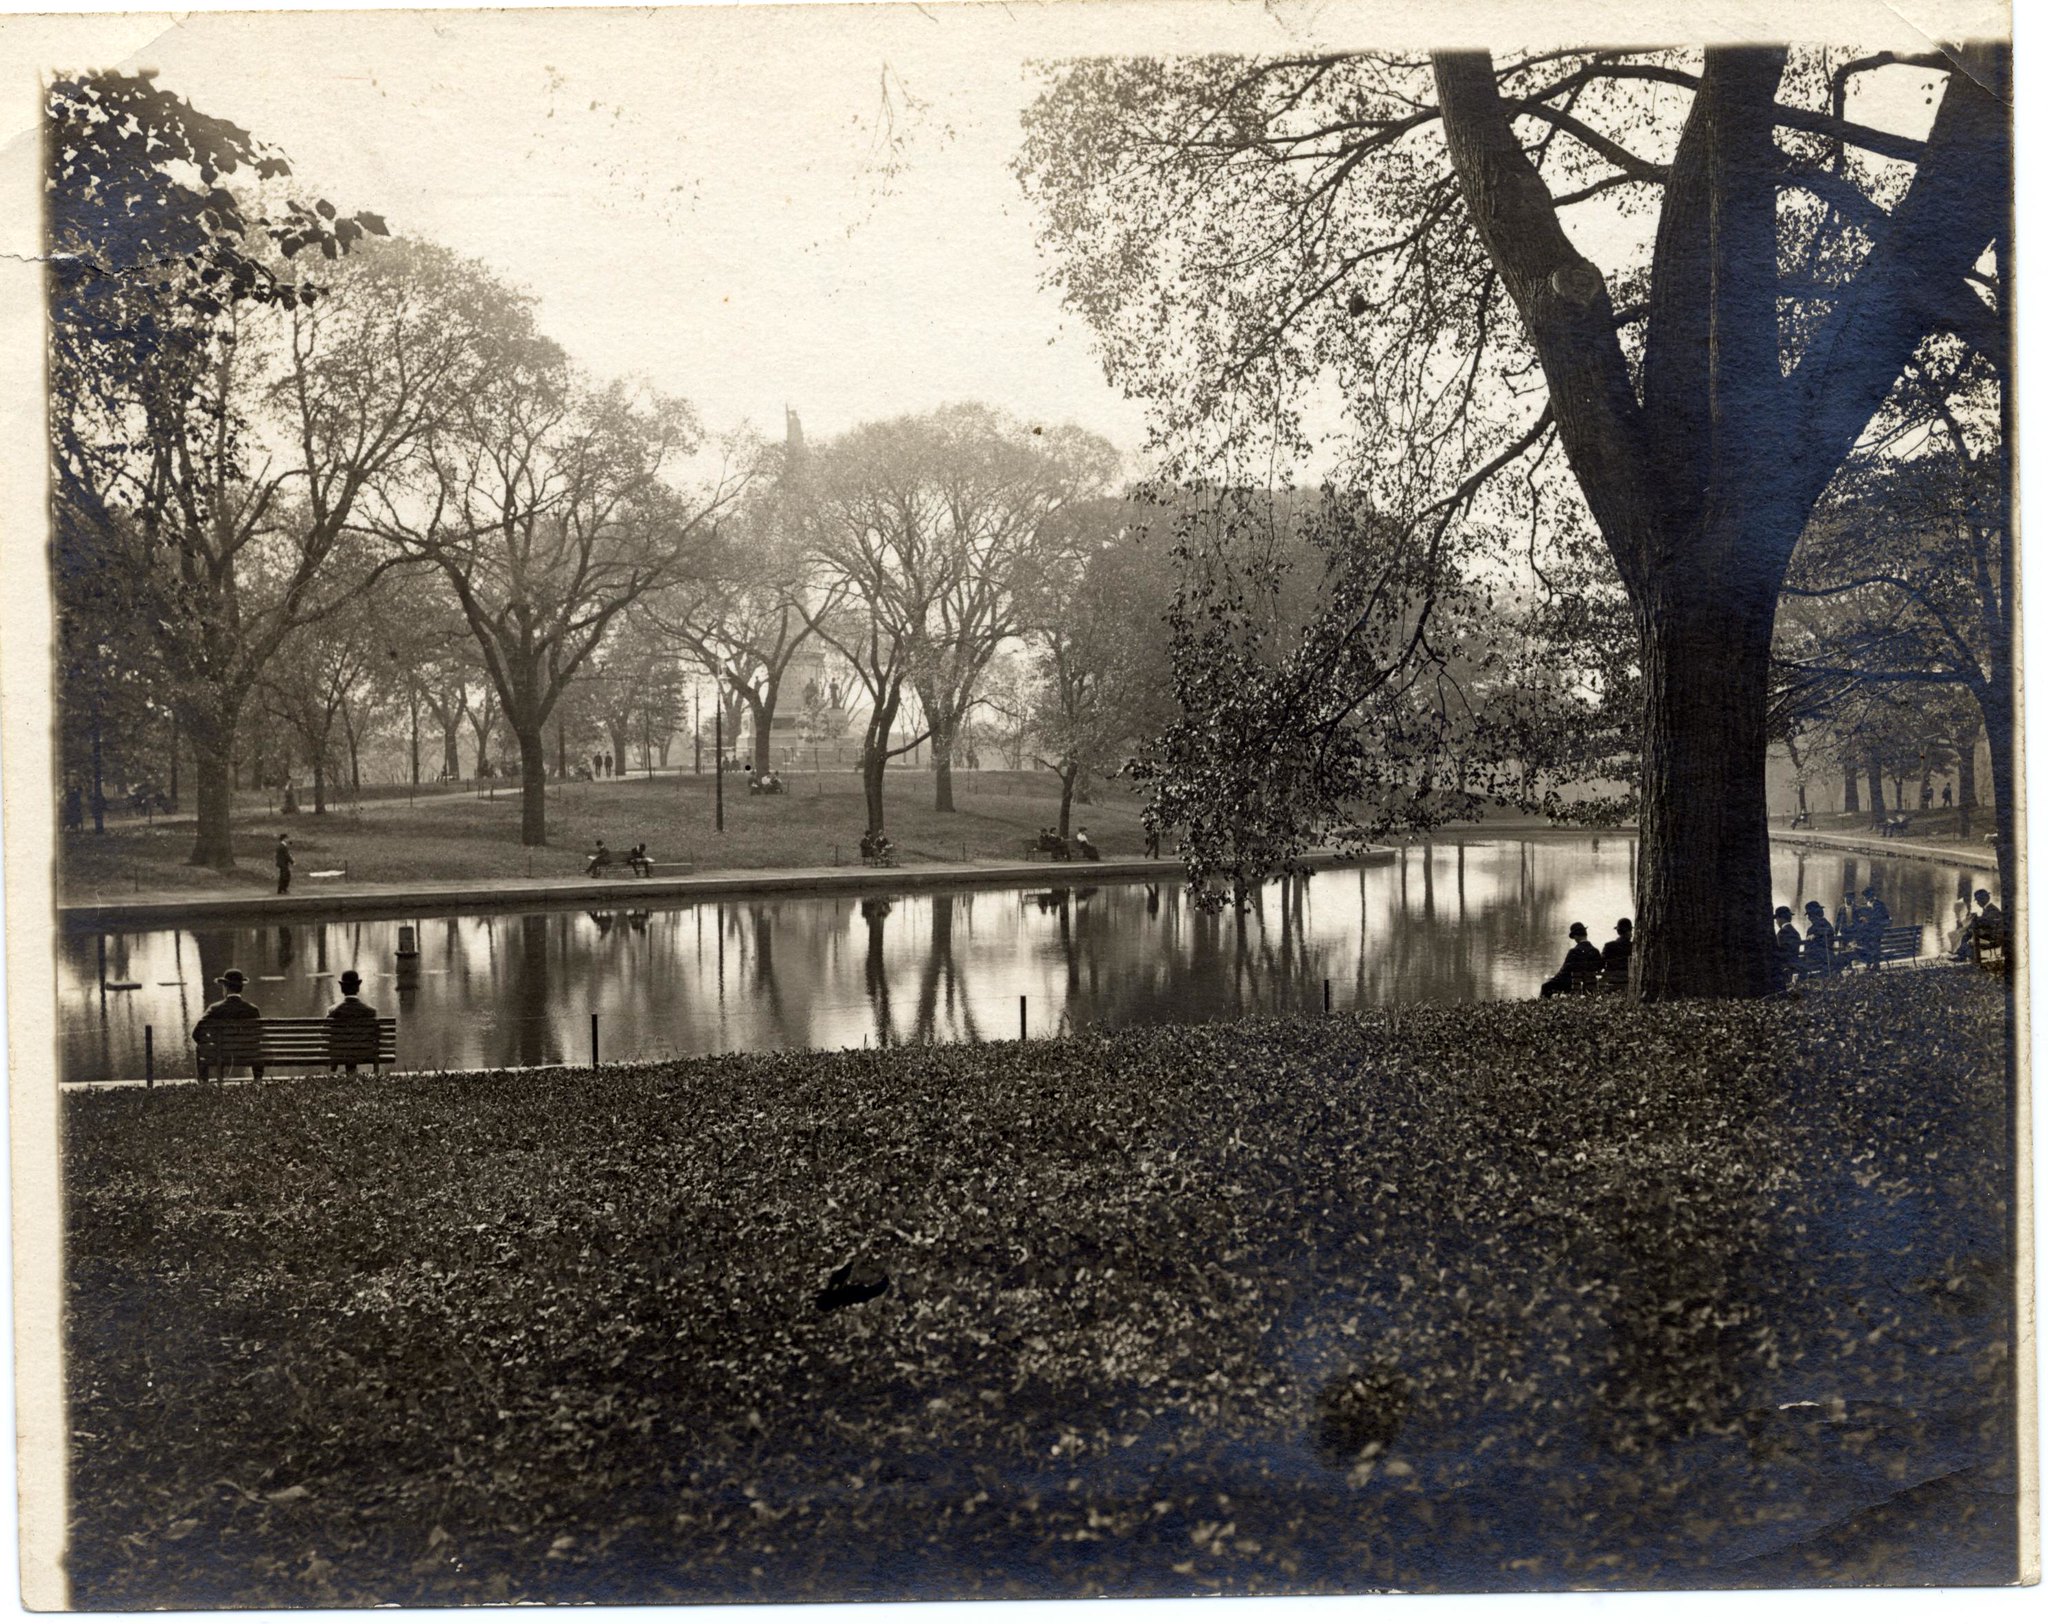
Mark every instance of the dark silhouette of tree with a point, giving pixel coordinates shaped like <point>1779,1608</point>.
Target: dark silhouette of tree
<point>173,310</point>
<point>1237,230</point>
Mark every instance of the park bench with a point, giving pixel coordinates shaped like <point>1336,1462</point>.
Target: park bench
<point>1895,944</point>
<point>1899,823</point>
<point>618,859</point>
<point>307,1043</point>
<point>1595,982</point>
<point>1040,846</point>
<point>882,856</point>
<point>1802,820</point>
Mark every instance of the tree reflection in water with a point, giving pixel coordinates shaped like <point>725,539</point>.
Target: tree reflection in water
<point>1443,922</point>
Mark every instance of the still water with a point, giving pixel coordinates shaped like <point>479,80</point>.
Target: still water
<point>1445,922</point>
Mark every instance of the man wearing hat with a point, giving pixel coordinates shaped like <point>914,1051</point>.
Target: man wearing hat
<point>232,1007</point>
<point>352,1010</point>
<point>1582,960</point>
<point>284,864</point>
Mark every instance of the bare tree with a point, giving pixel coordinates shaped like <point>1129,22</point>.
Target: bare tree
<point>549,508</point>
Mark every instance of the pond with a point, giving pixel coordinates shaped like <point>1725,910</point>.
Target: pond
<point>1449,921</point>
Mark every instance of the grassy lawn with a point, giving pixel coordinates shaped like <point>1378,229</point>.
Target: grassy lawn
<point>1935,828</point>
<point>454,836</point>
<point>1513,1296</point>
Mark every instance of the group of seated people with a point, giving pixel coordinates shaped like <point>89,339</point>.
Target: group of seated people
<point>1053,844</point>
<point>232,1008</point>
<point>1853,936</point>
<point>765,782</point>
<point>636,859</point>
<point>877,850</point>
<point>1603,969</point>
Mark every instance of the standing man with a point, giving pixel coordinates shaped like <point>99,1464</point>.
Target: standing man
<point>231,1008</point>
<point>284,864</point>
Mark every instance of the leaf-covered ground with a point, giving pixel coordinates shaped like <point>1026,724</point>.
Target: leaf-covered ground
<point>1516,1296</point>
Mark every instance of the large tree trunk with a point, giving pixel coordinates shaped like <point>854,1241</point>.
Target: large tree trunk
<point>1692,478</point>
<point>213,749</point>
<point>533,788</point>
<point>1068,773</point>
<point>942,730</point>
<point>319,782</point>
<point>1852,796</point>
<point>1873,773</point>
<point>764,730</point>
<point>874,759</point>
<point>1703,878</point>
<point>1997,709</point>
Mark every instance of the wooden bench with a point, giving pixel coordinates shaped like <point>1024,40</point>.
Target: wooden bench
<point>1894,945</point>
<point>307,1043</point>
<point>1899,823</point>
<point>1036,850</point>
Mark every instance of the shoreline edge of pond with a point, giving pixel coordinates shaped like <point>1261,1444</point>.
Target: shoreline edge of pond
<point>384,899</point>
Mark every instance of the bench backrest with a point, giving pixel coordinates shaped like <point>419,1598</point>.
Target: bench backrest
<point>1900,942</point>
<point>300,1041</point>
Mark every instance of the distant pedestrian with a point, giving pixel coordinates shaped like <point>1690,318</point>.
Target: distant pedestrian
<point>74,807</point>
<point>608,765</point>
<point>1948,796</point>
<point>1151,842</point>
<point>1615,955</point>
<point>232,1007</point>
<point>284,864</point>
<point>596,765</point>
<point>1582,960</point>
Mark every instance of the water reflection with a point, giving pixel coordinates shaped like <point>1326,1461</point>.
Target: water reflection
<point>1449,921</point>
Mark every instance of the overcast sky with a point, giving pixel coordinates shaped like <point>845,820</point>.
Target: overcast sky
<point>826,221</point>
<point>808,208</point>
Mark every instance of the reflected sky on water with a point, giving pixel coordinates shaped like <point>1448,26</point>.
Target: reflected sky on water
<point>1447,922</point>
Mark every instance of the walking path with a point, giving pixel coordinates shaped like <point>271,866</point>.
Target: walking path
<point>1980,856</point>
<point>320,899</point>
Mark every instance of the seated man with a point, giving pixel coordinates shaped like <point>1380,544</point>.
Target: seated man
<point>867,846</point>
<point>1820,942</point>
<point>601,858</point>
<point>1582,960</point>
<point>232,1007</point>
<point>1085,846</point>
<point>638,860</point>
<point>1986,932</point>
<point>352,1011</point>
<point>1873,919</point>
<point>1788,945</point>
<point>1615,955</point>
